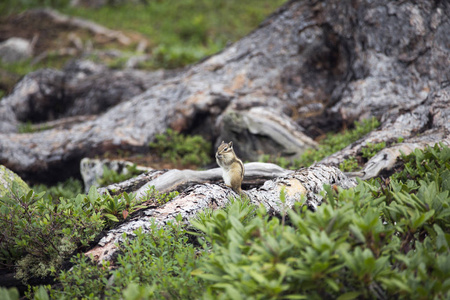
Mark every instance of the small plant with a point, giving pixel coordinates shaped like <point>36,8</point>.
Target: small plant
<point>331,144</point>
<point>160,261</point>
<point>26,127</point>
<point>39,233</point>
<point>111,176</point>
<point>178,148</point>
<point>370,149</point>
<point>9,294</point>
<point>157,198</point>
<point>348,165</point>
<point>119,207</point>
<point>67,189</point>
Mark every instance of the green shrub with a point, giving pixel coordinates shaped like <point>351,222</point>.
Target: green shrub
<point>155,265</point>
<point>370,149</point>
<point>182,149</point>
<point>349,164</point>
<point>111,176</point>
<point>39,233</point>
<point>372,241</point>
<point>9,294</point>
<point>156,198</point>
<point>67,189</point>
<point>429,164</point>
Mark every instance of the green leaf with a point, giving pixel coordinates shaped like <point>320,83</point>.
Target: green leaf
<point>233,293</point>
<point>41,294</point>
<point>357,232</point>
<point>441,240</point>
<point>211,277</point>
<point>349,296</point>
<point>9,294</point>
<point>112,217</point>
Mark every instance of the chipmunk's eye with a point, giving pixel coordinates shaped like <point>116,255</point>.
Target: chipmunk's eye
<point>225,149</point>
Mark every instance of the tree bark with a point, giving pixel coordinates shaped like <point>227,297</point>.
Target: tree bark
<point>177,180</point>
<point>302,185</point>
<point>321,65</point>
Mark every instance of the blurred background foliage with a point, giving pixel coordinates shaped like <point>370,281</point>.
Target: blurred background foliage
<point>179,32</point>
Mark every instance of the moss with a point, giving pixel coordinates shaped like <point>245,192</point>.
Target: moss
<point>7,177</point>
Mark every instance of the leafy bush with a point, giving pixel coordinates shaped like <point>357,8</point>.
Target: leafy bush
<point>111,176</point>
<point>349,164</point>
<point>372,241</point>
<point>9,294</point>
<point>39,233</point>
<point>160,263</point>
<point>179,148</point>
<point>382,239</point>
<point>153,197</point>
<point>370,149</point>
<point>67,189</point>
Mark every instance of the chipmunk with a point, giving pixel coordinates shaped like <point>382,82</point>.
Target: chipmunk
<point>232,166</point>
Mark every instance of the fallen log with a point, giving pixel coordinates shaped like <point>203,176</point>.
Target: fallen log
<point>307,62</point>
<point>303,184</point>
<point>177,180</point>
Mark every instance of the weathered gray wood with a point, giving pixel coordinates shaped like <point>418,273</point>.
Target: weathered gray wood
<point>177,180</point>
<point>319,63</point>
<point>278,134</point>
<point>427,123</point>
<point>304,182</point>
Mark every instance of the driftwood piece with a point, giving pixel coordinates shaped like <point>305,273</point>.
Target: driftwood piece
<point>177,180</point>
<point>304,182</point>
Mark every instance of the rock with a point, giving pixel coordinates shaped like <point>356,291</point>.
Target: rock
<point>92,169</point>
<point>14,50</point>
<point>258,131</point>
<point>7,177</point>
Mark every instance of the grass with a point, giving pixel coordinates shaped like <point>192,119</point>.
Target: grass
<point>182,32</point>
<point>179,32</point>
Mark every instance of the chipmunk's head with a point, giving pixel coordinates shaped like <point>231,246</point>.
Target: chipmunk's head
<point>225,152</point>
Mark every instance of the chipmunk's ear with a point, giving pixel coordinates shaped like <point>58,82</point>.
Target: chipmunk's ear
<point>222,143</point>
<point>230,144</point>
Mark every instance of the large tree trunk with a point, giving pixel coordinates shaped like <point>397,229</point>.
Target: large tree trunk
<point>317,65</point>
